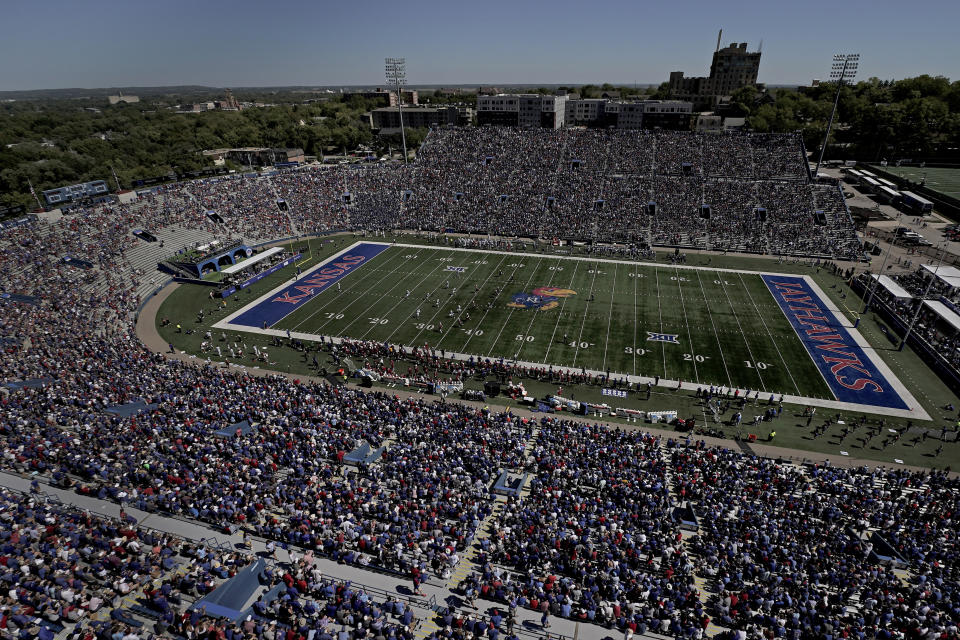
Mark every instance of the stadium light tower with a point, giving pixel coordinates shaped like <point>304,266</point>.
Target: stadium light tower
<point>844,67</point>
<point>396,72</point>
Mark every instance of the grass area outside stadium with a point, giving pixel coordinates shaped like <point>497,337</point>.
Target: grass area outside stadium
<point>719,322</point>
<point>946,180</point>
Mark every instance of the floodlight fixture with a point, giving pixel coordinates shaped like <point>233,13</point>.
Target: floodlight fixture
<point>844,67</point>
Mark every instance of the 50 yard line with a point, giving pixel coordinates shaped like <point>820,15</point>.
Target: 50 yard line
<point>533,317</point>
<point>510,315</point>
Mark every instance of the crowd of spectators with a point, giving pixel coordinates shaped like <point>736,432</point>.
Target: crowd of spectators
<point>65,568</point>
<point>790,550</point>
<point>594,540</point>
<point>68,571</point>
<point>928,325</point>
<point>622,186</point>
<point>786,550</point>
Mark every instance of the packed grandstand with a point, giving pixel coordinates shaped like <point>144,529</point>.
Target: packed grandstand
<point>784,550</point>
<point>735,192</point>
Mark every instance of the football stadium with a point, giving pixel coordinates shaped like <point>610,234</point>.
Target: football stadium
<point>534,384</point>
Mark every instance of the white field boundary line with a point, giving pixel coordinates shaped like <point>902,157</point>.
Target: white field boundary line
<point>868,350</point>
<point>228,321</point>
<point>917,413</point>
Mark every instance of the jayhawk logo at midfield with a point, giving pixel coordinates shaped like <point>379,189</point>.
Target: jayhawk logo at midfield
<point>541,298</point>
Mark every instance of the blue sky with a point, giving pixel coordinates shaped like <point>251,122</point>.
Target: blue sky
<point>95,43</point>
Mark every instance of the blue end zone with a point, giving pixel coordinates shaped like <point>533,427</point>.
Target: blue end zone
<point>851,375</point>
<point>278,306</point>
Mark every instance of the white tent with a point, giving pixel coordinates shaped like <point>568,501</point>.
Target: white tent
<point>891,285</point>
<point>947,274</point>
<point>944,312</point>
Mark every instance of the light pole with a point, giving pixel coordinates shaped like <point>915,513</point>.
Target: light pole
<point>396,73</point>
<point>933,276</point>
<point>844,67</point>
<point>876,282</point>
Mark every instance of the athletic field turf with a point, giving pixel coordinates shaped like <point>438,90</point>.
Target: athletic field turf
<point>942,179</point>
<point>702,326</point>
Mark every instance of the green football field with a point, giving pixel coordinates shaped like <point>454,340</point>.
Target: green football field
<point>596,315</point>
<point>943,179</point>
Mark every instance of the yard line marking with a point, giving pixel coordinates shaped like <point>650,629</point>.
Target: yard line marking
<point>596,269</point>
<point>519,262</point>
<point>606,342</point>
<point>742,334</point>
<point>563,303</point>
<point>439,307</point>
<point>472,298</point>
<point>767,329</point>
<point>686,321</point>
<point>716,335</point>
<point>345,292</point>
<point>533,316</point>
<point>343,332</point>
<point>510,315</point>
<point>402,301</point>
<point>663,346</point>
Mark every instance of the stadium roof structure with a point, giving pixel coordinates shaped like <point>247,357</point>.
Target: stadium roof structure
<point>945,312</point>
<point>249,262</point>
<point>947,274</point>
<point>892,287</point>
